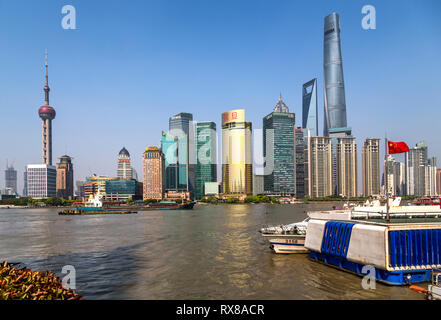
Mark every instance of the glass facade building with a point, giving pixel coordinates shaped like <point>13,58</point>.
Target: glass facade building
<point>301,151</point>
<point>181,126</point>
<point>206,155</point>
<point>175,162</point>
<point>11,179</point>
<point>279,151</point>
<point>121,190</point>
<point>309,101</point>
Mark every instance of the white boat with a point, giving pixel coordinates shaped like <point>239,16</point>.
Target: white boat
<point>434,289</point>
<point>288,238</point>
<point>95,201</point>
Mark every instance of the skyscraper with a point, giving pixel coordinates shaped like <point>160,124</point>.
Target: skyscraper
<point>237,165</point>
<point>371,167</point>
<point>25,182</point>
<point>47,114</point>
<point>175,153</point>
<point>335,122</point>
<point>301,164</point>
<point>181,125</point>
<point>420,171</point>
<point>206,155</point>
<point>65,178</point>
<point>309,114</point>
<point>153,173</point>
<point>430,177</point>
<point>11,179</point>
<point>347,173</point>
<point>279,150</point>
<point>438,182</point>
<point>395,176</point>
<point>124,170</point>
<point>320,167</point>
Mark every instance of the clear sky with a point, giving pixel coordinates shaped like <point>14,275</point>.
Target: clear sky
<point>130,65</point>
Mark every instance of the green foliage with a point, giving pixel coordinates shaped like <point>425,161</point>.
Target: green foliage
<point>261,199</point>
<point>264,199</point>
<point>52,201</point>
<point>232,200</point>
<point>275,200</point>
<point>252,199</point>
<point>147,201</point>
<point>409,197</point>
<point>212,200</point>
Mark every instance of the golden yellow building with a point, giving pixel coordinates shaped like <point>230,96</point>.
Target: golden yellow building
<point>237,161</point>
<point>100,183</point>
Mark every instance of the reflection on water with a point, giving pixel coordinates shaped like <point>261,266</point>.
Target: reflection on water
<point>211,252</point>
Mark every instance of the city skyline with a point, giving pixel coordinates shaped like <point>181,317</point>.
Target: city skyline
<point>81,147</point>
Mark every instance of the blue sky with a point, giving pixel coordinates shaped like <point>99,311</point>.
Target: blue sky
<point>129,65</point>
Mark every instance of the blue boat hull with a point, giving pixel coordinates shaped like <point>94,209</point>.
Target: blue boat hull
<point>394,278</point>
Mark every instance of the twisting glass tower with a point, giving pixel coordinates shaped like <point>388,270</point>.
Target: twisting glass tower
<point>334,86</point>
<point>47,114</point>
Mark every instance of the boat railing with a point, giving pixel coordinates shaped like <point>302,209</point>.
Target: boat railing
<point>275,228</point>
<point>361,214</point>
<point>436,279</point>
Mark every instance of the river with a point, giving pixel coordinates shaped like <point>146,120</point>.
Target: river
<point>210,252</point>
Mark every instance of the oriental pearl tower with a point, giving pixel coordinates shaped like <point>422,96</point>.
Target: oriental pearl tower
<point>47,114</point>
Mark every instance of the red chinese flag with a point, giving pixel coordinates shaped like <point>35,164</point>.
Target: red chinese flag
<point>397,147</point>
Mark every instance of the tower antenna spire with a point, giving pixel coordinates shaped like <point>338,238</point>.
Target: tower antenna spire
<point>46,86</point>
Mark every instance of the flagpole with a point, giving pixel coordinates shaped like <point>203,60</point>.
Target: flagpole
<point>386,178</point>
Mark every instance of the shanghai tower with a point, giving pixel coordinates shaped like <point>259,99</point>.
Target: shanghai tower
<point>47,114</point>
<point>334,86</point>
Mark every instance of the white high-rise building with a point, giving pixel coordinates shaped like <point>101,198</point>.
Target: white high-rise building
<point>371,167</point>
<point>420,171</point>
<point>396,177</point>
<point>125,170</point>
<point>430,178</point>
<point>347,175</point>
<point>41,181</point>
<point>319,167</point>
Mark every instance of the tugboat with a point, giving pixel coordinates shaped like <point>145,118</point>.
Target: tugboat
<point>94,205</point>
